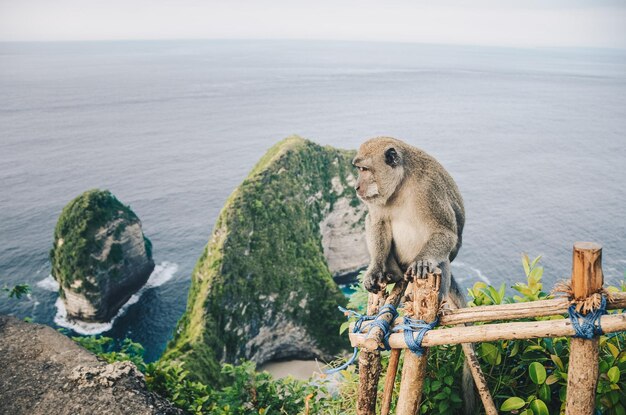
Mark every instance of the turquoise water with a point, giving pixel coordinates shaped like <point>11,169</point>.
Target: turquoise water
<point>534,138</point>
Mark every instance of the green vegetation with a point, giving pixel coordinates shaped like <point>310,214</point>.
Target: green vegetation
<point>247,391</point>
<point>73,256</point>
<point>264,263</point>
<point>525,376</point>
<point>17,291</point>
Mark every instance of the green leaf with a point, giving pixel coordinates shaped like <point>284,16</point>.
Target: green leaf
<point>544,392</point>
<point>552,379</point>
<point>490,353</point>
<point>502,291</point>
<point>532,265</point>
<point>539,407</point>
<point>525,264</point>
<point>512,404</point>
<point>537,373</point>
<point>613,349</point>
<point>558,362</point>
<point>536,273</point>
<point>456,398</point>
<point>613,374</point>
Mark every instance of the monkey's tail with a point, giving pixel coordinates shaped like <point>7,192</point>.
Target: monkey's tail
<point>468,386</point>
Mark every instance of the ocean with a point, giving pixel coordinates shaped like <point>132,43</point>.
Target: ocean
<point>535,139</point>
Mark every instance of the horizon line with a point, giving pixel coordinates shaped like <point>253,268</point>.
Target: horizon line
<point>403,42</point>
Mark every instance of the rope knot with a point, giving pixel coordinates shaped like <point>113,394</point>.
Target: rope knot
<point>382,324</point>
<point>590,326</point>
<point>411,326</point>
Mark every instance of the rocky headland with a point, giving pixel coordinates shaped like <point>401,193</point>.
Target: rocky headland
<point>100,256</point>
<point>263,289</point>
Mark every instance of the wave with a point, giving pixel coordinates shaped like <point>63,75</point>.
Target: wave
<point>162,273</point>
<point>476,271</point>
<point>48,284</point>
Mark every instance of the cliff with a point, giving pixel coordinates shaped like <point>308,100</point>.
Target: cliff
<point>100,256</point>
<point>263,288</point>
<point>44,372</point>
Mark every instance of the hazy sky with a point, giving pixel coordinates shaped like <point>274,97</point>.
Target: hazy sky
<point>599,23</point>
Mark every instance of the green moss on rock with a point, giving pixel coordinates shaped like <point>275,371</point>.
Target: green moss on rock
<point>99,254</point>
<point>262,289</point>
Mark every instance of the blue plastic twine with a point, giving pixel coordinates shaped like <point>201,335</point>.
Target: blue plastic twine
<point>411,326</point>
<point>382,324</point>
<point>590,326</point>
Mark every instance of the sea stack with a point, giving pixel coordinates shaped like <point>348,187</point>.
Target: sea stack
<point>100,256</point>
<point>263,289</point>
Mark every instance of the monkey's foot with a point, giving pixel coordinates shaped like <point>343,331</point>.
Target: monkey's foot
<point>421,268</point>
<point>374,281</point>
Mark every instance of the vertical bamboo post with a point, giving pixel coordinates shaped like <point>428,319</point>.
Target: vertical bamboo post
<point>425,305</point>
<point>582,376</point>
<point>369,366</point>
<point>390,380</point>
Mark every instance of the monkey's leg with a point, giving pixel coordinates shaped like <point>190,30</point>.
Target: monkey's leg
<point>473,378</point>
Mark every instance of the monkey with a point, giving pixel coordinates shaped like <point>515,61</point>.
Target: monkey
<point>414,222</point>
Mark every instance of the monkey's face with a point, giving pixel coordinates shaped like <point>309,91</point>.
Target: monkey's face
<point>380,172</point>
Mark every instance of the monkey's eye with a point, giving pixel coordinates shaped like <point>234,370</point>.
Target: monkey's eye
<point>362,168</point>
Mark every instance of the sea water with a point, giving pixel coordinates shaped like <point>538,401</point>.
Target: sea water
<point>533,137</point>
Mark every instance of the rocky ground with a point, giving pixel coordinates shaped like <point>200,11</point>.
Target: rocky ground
<point>44,372</point>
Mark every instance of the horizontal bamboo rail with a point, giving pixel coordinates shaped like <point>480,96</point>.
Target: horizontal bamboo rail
<point>488,313</point>
<point>501,331</point>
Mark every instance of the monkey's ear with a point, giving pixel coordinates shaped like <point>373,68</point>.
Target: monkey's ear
<point>392,157</point>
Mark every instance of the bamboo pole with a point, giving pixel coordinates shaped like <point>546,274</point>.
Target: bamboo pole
<point>369,360</point>
<point>369,366</point>
<point>582,375</point>
<point>515,311</point>
<point>501,331</point>
<point>375,334</point>
<point>479,379</point>
<point>471,360</point>
<point>425,304</point>
<point>390,380</point>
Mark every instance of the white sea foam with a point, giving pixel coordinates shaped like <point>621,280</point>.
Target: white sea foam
<point>49,284</point>
<point>476,271</point>
<point>160,275</point>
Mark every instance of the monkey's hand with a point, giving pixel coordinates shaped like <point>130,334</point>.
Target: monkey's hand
<point>420,268</point>
<point>376,279</point>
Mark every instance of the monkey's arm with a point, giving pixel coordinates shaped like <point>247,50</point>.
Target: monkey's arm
<point>382,265</point>
<point>443,240</point>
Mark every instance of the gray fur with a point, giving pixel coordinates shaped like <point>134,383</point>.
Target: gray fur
<point>415,219</point>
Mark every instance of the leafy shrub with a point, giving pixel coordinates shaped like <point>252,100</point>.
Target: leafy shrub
<point>526,377</point>
<point>529,377</point>
<point>17,291</point>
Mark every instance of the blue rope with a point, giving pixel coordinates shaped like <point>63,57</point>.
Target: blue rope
<point>590,326</point>
<point>410,326</point>
<point>382,324</point>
